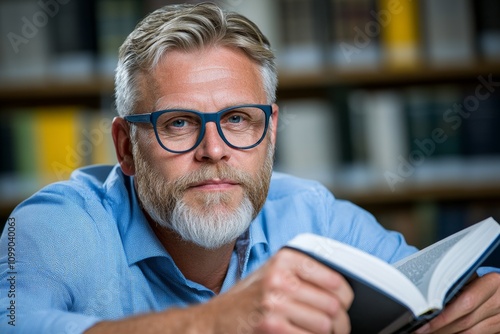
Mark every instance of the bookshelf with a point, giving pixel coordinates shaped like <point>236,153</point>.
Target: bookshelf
<point>97,84</point>
<point>387,76</point>
<point>312,70</point>
<point>53,88</point>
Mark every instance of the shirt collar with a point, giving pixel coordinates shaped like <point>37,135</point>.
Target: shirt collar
<point>252,237</point>
<point>138,238</point>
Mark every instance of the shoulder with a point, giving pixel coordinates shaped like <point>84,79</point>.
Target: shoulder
<point>294,206</point>
<point>72,213</point>
<point>310,197</point>
<point>313,196</point>
<point>85,188</point>
<point>287,186</point>
<point>65,234</point>
<point>310,200</point>
<point>297,206</point>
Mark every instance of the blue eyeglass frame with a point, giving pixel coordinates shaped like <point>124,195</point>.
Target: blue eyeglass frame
<point>215,117</point>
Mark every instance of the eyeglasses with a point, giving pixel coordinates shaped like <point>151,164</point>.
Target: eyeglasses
<point>181,130</point>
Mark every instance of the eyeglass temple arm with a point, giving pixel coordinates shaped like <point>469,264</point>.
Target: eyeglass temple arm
<point>142,118</point>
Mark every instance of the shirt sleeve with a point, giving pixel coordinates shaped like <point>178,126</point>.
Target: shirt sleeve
<point>355,226</point>
<point>359,228</point>
<point>40,269</point>
<point>48,321</point>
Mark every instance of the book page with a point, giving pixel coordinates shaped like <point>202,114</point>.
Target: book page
<point>363,268</point>
<point>419,267</point>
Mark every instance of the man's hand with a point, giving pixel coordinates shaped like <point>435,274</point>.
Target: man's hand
<point>475,310</point>
<point>291,293</point>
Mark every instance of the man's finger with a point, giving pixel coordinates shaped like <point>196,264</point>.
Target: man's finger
<point>325,278</point>
<point>464,312</point>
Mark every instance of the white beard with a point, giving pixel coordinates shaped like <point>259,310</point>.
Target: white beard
<point>210,228</point>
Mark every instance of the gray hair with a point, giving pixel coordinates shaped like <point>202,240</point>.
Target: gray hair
<point>186,27</point>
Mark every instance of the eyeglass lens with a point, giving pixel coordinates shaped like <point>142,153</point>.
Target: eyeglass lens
<point>241,127</point>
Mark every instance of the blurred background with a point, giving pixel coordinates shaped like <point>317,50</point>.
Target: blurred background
<point>393,104</point>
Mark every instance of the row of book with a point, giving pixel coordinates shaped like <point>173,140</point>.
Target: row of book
<point>66,40</point>
<point>75,38</point>
<point>45,144</point>
<point>436,121</point>
<point>388,131</point>
<point>69,40</point>
<point>426,222</point>
<point>352,34</point>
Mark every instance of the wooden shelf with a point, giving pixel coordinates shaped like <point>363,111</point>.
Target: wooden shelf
<point>56,88</point>
<point>441,193</point>
<point>387,76</point>
<point>96,85</point>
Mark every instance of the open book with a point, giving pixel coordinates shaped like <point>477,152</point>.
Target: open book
<point>399,298</point>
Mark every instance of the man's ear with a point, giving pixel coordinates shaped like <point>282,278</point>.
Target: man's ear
<point>274,120</point>
<point>123,145</point>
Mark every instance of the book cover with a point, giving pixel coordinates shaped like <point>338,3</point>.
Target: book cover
<point>98,134</point>
<point>444,98</point>
<point>449,32</point>
<point>401,37</point>
<point>265,14</point>
<point>7,163</point>
<point>488,29</point>
<point>354,35</point>
<point>357,125</point>
<point>304,34</point>
<point>114,21</point>
<point>399,297</point>
<point>25,144</point>
<point>73,39</point>
<point>480,129</point>
<point>307,139</point>
<point>385,130</point>
<point>59,149</point>
<point>420,123</point>
<point>25,45</point>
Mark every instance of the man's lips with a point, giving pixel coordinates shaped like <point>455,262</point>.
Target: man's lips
<point>214,184</point>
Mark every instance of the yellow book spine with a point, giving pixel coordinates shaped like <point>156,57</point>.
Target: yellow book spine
<point>400,34</point>
<point>56,140</point>
<point>99,135</point>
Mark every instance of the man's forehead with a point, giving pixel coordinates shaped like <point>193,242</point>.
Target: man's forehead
<point>216,58</point>
<point>212,73</point>
<point>189,79</point>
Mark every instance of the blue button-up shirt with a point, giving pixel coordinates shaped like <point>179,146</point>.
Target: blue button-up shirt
<point>83,251</point>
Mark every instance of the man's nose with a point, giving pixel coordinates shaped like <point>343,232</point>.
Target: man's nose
<point>212,147</point>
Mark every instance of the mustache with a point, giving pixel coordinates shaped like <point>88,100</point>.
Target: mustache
<point>221,171</point>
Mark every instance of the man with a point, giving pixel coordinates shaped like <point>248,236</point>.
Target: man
<point>184,236</point>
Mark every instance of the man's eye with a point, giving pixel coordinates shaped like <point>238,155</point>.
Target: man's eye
<point>179,123</point>
<point>235,119</point>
